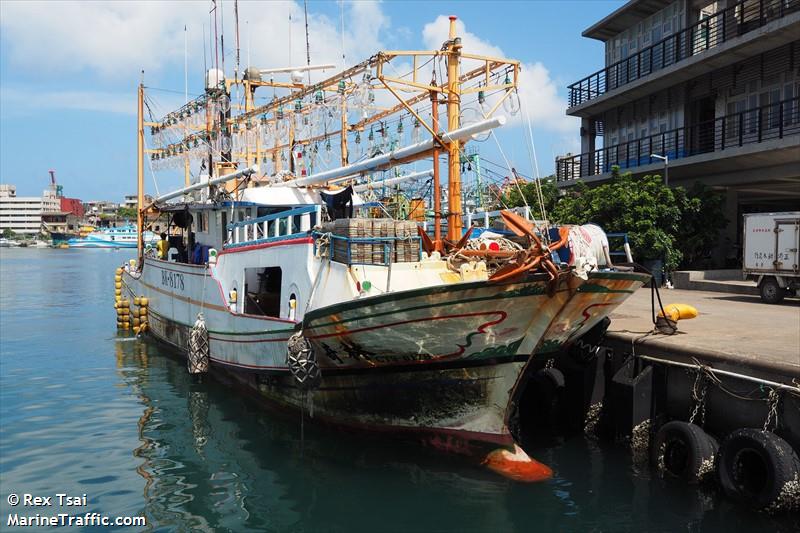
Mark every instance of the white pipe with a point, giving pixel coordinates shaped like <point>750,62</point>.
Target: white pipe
<point>227,177</point>
<point>743,377</point>
<point>401,153</point>
<point>295,69</point>
<point>391,181</point>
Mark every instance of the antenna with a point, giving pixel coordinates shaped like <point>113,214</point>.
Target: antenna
<point>185,65</point>
<point>236,17</point>
<point>308,47</point>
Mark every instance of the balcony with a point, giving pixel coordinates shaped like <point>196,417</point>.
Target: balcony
<point>774,121</point>
<point>724,26</point>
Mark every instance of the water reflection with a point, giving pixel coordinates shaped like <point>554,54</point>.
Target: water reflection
<point>118,418</point>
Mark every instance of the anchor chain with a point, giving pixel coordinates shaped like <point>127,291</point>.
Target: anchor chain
<point>699,399</point>
<point>302,361</point>
<point>773,400</point>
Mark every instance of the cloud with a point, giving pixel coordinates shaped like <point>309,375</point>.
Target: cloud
<point>115,39</point>
<point>538,91</point>
<point>112,39</point>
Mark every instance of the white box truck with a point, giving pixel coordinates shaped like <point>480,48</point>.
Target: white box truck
<point>771,243</point>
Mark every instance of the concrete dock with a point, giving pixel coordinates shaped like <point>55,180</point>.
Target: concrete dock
<point>736,330</point>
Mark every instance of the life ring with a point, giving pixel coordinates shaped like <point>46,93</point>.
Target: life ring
<point>683,450</point>
<point>759,468</point>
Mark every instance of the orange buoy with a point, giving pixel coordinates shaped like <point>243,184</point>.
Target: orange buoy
<point>517,465</point>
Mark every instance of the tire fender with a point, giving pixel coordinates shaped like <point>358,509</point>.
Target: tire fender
<point>760,469</point>
<point>683,450</point>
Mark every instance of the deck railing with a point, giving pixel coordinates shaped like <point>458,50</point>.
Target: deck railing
<point>708,33</point>
<point>773,121</point>
<point>277,226</point>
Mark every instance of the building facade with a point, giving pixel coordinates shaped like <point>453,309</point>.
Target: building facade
<point>23,214</point>
<point>714,87</point>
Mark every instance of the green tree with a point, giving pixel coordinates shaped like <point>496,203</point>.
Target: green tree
<point>128,213</point>
<point>702,219</point>
<point>529,196</point>
<point>8,233</point>
<point>644,208</point>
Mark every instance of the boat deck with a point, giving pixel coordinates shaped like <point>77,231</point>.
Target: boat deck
<point>736,330</point>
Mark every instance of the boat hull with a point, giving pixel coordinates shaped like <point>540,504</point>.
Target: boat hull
<point>438,365</point>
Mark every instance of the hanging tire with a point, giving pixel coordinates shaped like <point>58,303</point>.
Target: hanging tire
<point>684,451</point>
<point>759,468</point>
<point>771,292</point>
<point>544,399</point>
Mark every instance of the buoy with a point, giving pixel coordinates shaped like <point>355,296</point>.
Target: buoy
<point>136,301</point>
<point>135,329</point>
<point>143,301</point>
<point>144,327</point>
<point>118,277</point>
<point>677,312</point>
<point>142,311</point>
<point>118,285</point>
<point>517,465</point>
<point>136,321</point>
<point>118,271</point>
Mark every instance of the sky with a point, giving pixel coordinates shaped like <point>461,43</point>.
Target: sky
<point>69,71</point>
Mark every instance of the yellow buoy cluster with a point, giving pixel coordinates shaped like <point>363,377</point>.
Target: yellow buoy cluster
<point>140,315</point>
<point>129,316</point>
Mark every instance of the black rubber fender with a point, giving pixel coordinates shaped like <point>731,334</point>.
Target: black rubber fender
<point>546,387</point>
<point>760,469</point>
<point>684,451</point>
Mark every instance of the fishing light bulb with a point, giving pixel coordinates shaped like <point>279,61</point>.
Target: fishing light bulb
<point>416,132</point>
<point>371,140</point>
<point>327,153</point>
<point>511,103</point>
<point>224,103</point>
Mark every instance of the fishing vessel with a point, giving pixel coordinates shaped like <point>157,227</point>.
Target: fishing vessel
<point>285,277</point>
<point>118,237</point>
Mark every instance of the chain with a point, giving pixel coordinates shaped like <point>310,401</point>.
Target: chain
<point>549,363</point>
<point>773,400</point>
<point>699,399</point>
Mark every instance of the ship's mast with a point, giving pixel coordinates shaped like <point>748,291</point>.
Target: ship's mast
<point>140,176</point>
<point>454,225</point>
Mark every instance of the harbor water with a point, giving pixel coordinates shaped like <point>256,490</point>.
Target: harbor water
<point>87,410</point>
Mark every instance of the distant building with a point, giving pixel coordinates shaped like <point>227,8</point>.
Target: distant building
<point>23,214</point>
<point>712,85</point>
<point>72,205</point>
<point>100,207</point>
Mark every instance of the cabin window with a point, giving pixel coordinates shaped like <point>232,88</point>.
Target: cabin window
<point>262,290</point>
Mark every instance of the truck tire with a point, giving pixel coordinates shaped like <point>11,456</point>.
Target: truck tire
<point>771,292</point>
<point>760,469</point>
<point>684,451</point>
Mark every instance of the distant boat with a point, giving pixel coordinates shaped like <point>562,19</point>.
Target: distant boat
<point>122,237</point>
<point>6,243</point>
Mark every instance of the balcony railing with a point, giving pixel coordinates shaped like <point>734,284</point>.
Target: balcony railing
<point>773,121</point>
<point>720,27</point>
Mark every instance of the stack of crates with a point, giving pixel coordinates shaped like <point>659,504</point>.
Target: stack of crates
<point>352,228</point>
<point>382,251</point>
<point>403,248</point>
<point>407,243</point>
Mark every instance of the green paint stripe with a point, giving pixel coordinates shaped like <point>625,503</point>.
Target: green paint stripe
<point>508,294</point>
<point>413,293</point>
<point>595,288</point>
